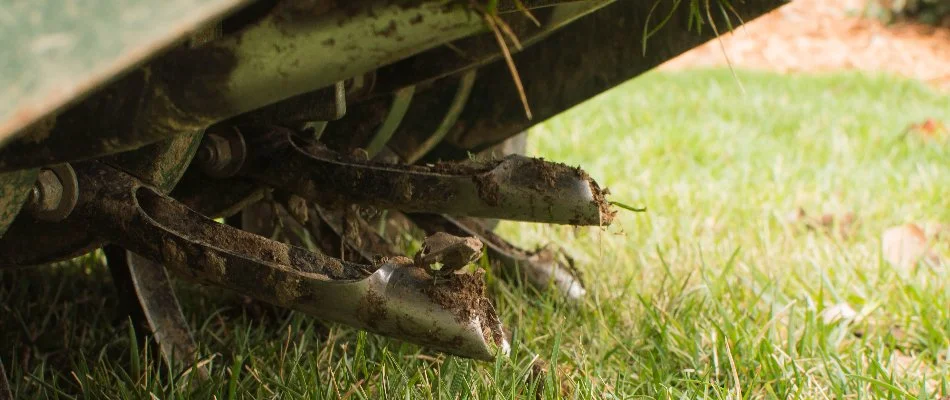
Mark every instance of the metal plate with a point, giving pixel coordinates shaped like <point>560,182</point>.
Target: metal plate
<point>56,51</point>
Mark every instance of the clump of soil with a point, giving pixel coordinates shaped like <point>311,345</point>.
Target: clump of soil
<point>461,294</point>
<point>607,213</point>
<point>488,189</point>
<point>549,171</point>
<point>464,296</point>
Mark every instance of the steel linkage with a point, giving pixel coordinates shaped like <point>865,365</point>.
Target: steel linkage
<point>392,297</point>
<point>516,187</point>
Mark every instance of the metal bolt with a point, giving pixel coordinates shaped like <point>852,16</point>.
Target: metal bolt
<point>47,192</point>
<point>215,151</point>
<point>222,153</point>
<point>55,193</point>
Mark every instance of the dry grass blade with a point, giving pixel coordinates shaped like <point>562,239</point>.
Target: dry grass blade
<point>490,20</point>
<point>527,13</point>
<point>506,29</point>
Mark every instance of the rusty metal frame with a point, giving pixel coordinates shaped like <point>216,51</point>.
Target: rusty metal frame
<point>585,58</point>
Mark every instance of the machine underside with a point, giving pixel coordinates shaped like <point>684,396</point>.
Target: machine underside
<point>320,132</point>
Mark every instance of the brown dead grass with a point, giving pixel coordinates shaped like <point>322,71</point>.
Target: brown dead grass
<point>821,35</point>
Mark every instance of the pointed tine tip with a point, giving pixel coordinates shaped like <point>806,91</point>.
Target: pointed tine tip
<point>554,192</point>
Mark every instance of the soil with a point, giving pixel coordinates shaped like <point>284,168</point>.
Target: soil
<point>375,308</point>
<point>461,294</point>
<point>541,175</point>
<point>464,296</point>
<point>607,213</point>
<point>454,252</point>
<point>822,36</point>
<point>488,189</point>
<point>549,172</point>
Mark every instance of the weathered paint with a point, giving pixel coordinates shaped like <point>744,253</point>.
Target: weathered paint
<point>56,51</point>
<point>160,164</point>
<point>14,190</point>
<point>289,52</point>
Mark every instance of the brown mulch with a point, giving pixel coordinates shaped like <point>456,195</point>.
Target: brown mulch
<point>822,35</point>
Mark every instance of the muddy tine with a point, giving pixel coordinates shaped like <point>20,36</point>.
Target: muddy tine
<point>514,188</point>
<point>393,298</point>
<point>541,269</point>
<point>360,235</point>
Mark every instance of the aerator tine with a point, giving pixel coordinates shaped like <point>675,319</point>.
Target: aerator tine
<point>393,298</point>
<point>514,188</point>
<point>541,269</point>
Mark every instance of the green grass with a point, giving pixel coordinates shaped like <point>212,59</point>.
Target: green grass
<point>707,294</point>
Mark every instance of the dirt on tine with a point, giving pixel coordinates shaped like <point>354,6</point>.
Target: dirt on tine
<point>549,171</point>
<point>488,189</point>
<point>464,296</point>
<point>375,308</point>
<point>267,250</point>
<point>607,213</point>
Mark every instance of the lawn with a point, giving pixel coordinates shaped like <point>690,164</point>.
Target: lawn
<point>709,293</point>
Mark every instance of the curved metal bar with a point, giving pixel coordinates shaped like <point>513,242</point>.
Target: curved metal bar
<point>393,299</point>
<point>515,188</point>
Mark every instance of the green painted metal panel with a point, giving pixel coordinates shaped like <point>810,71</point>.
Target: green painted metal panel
<point>55,51</point>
